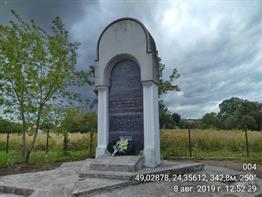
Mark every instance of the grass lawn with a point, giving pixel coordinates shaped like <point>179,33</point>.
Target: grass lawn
<point>40,157</point>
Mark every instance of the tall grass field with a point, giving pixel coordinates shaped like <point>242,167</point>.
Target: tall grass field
<point>211,143</point>
<point>174,143</point>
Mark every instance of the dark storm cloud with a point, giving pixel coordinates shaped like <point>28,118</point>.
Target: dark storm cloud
<point>42,11</point>
<point>216,46</point>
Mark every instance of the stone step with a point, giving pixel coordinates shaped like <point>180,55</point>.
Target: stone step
<point>81,188</point>
<point>128,178</point>
<point>117,163</point>
<point>164,168</point>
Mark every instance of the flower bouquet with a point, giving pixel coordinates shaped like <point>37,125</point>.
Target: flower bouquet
<point>122,146</point>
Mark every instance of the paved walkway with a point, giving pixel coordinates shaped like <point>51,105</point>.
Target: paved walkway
<point>64,180</point>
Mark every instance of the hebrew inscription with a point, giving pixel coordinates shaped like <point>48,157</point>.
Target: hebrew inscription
<point>126,103</point>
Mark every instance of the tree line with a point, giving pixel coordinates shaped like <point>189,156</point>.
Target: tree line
<point>234,113</point>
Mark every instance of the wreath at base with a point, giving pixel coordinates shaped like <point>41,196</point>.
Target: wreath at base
<point>122,146</point>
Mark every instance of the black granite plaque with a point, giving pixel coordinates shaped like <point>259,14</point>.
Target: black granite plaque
<point>126,103</point>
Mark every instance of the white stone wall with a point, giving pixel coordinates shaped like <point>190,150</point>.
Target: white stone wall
<point>125,37</point>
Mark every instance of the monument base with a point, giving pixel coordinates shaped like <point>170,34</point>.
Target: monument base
<point>118,179</point>
<point>127,167</point>
<point>117,163</point>
<point>123,170</point>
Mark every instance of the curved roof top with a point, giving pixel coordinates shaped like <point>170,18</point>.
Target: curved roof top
<point>150,44</point>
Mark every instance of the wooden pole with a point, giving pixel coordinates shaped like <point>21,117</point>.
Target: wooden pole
<point>47,140</point>
<point>91,143</point>
<point>247,148</point>
<point>189,142</point>
<point>7,143</point>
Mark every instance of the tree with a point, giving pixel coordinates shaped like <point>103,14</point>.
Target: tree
<point>248,112</point>
<point>231,122</point>
<point>235,113</point>
<point>258,118</point>
<point>176,117</point>
<point>165,117</point>
<point>36,69</point>
<point>228,107</point>
<point>248,121</point>
<point>71,120</point>
<point>167,85</point>
<point>209,120</point>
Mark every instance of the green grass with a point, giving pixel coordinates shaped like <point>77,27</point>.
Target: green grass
<point>9,159</point>
<point>41,158</point>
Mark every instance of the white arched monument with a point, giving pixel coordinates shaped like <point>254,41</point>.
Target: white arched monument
<point>127,76</point>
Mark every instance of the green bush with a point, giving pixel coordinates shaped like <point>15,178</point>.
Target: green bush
<point>81,144</point>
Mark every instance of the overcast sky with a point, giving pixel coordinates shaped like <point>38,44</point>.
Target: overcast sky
<point>216,47</point>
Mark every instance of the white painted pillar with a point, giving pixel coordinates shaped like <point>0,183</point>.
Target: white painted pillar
<point>102,126</point>
<point>151,124</point>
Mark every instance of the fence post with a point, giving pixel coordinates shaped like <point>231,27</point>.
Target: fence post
<point>91,143</point>
<point>189,141</point>
<point>247,148</point>
<point>7,143</point>
<point>47,140</point>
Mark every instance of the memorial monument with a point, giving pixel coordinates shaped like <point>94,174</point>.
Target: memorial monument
<point>126,77</point>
